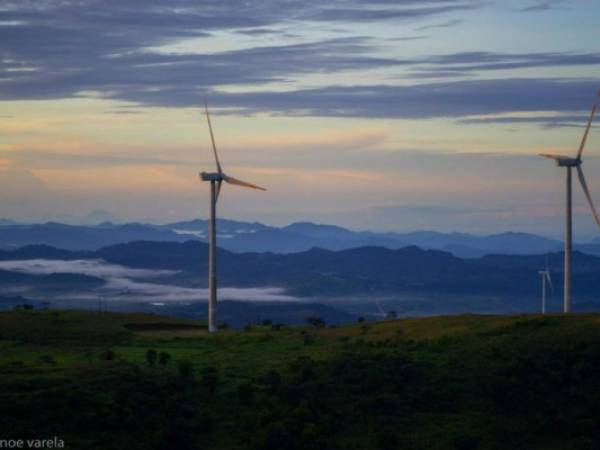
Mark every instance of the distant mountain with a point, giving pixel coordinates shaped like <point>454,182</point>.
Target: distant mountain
<point>470,246</point>
<point>6,222</point>
<point>238,314</point>
<point>77,237</point>
<point>49,282</point>
<point>242,237</point>
<point>98,216</point>
<point>359,271</point>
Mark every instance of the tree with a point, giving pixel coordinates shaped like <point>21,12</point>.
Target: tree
<point>107,355</point>
<point>391,315</point>
<point>315,321</point>
<point>151,357</point>
<point>164,358</point>
<point>210,378</point>
<point>246,393</point>
<point>186,370</point>
<point>272,380</point>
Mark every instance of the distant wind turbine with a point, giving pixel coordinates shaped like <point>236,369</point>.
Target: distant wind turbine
<point>545,275</point>
<point>569,162</point>
<point>216,179</point>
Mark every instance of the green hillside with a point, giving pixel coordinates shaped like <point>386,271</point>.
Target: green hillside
<point>130,381</point>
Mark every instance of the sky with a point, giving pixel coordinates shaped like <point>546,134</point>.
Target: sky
<point>381,115</point>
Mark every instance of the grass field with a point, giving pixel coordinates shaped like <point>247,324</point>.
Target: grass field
<point>111,381</point>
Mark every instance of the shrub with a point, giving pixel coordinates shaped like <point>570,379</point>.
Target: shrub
<point>315,321</point>
<point>151,357</point>
<point>164,358</point>
<point>47,359</point>
<point>246,393</point>
<point>107,355</point>
<point>186,370</point>
<point>272,380</point>
<point>210,379</point>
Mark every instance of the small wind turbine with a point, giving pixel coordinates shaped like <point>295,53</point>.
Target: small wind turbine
<point>569,163</point>
<point>216,179</point>
<point>545,275</point>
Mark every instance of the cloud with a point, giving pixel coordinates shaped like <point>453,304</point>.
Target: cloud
<point>117,50</point>
<point>427,100</point>
<point>447,24</point>
<point>151,292</point>
<point>119,286</point>
<point>95,268</point>
<point>559,121</point>
<point>487,61</point>
<point>540,6</point>
<point>361,14</point>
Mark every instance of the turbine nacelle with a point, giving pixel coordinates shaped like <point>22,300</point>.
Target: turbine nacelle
<point>563,161</point>
<point>211,176</point>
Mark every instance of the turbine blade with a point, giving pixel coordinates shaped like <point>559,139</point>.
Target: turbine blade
<point>549,280</point>
<point>587,194</point>
<point>587,129</point>
<point>237,182</point>
<point>219,183</point>
<point>554,157</point>
<point>212,138</point>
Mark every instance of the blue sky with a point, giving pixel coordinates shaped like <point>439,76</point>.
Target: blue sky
<point>385,115</point>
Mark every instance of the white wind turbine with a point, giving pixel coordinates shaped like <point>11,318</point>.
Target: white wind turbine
<point>216,179</point>
<point>545,275</point>
<point>569,162</point>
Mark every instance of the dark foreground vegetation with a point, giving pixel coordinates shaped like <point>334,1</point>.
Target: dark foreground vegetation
<point>122,381</point>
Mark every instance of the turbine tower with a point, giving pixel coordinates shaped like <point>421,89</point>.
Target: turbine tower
<point>545,275</point>
<point>216,179</point>
<point>568,163</point>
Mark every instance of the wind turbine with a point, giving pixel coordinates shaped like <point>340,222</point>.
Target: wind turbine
<point>216,179</point>
<point>545,275</point>
<point>569,162</point>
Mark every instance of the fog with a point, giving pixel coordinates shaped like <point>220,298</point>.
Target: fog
<point>92,267</point>
<point>122,283</point>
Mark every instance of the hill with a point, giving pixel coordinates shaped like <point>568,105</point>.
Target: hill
<point>128,381</point>
<point>242,237</point>
<point>365,270</point>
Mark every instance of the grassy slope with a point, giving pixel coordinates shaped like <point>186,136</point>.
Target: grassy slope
<point>461,382</point>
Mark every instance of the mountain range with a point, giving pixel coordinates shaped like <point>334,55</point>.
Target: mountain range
<point>325,273</point>
<point>241,237</point>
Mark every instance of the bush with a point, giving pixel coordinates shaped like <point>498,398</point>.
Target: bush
<point>210,379</point>
<point>151,357</point>
<point>47,359</point>
<point>186,370</point>
<point>164,358</point>
<point>272,381</point>
<point>107,355</point>
<point>315,321</point>
<point>246,393</point>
